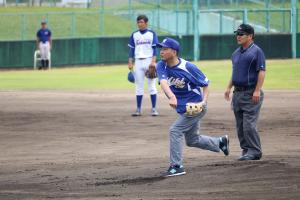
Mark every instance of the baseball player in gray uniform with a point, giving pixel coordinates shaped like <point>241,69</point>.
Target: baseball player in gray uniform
<point>142,50</point>
<point>182,82</point>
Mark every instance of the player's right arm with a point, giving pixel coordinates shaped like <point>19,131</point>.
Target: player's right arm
<point>228,90</point>
<point>163,81</point>
<point>171,96</point>
<point>37,40</point>
<point>131,46</point>
<point>130,63</point>
<point>229,86</point>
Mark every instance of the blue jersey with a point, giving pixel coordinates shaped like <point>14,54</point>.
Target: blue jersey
<point>185,81</point>
<point>43,35</point>
<point>246,64</point>
<point>142,44</point>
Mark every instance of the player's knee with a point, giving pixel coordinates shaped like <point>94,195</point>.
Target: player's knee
<point>139,91</point>
<point>175,131</point>
<point>190,143</point>
<point>172,130</point>
<point>152,92</point>
<point>249,127</point>
<point>152,89</point>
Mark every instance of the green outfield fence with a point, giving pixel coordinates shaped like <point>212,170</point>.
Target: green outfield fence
<point>97,31</point>
<point>90,51</point>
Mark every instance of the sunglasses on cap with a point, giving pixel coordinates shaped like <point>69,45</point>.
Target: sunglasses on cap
<point>240,34</point>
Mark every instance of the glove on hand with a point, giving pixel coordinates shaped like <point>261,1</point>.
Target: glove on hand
<point>193,109</point>
<point>151,72</point>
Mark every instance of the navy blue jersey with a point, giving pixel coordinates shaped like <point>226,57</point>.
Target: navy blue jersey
<point>185,81</point>
<point>246,64</point>
<point>43,35</point>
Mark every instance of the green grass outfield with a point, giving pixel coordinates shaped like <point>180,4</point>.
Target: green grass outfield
<point>281,74</point>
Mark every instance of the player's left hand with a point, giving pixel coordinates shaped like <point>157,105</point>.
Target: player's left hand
<point>256,96</point>
<point>193,109</point>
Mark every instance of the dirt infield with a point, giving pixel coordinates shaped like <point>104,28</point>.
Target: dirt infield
<point>85,145</point>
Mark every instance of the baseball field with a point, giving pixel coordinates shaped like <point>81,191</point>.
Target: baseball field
<point>67,133</point>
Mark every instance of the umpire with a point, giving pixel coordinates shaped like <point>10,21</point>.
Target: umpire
<point>248,74</point>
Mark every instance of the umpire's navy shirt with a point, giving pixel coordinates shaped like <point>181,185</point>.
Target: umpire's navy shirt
<point>246,64</point>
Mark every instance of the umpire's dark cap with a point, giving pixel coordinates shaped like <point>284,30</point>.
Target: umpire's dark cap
<point>169,43</point>
<point>245,28</point>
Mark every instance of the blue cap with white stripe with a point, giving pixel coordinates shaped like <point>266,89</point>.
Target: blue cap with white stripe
<point>169,43</point>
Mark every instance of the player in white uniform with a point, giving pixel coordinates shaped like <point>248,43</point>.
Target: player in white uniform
<point>44,43</point>
<point>142,50</point>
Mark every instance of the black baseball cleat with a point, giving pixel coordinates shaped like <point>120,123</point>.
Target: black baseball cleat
<point>249,157</point>
<point>224,145</point>
<point>174,171</point>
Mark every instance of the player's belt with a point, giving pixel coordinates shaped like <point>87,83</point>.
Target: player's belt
<point>141,58</point>
<point>243,88</point>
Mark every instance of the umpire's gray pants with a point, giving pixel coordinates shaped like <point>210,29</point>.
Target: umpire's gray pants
<point>246,115</point>
<point>189,128</point>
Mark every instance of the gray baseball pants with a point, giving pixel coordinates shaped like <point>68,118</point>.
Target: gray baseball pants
<point>188,127</point>
<point>246,116</point>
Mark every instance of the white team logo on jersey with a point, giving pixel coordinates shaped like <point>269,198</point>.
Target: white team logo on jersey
<point>177,82</point>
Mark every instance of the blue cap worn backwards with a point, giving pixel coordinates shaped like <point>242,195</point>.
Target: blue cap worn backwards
<point>169,43</point>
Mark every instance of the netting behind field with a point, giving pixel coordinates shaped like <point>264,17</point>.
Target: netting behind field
<point>109,18</point>
<point>153,4</point>
<point>64,25</point>
<point>217,4</point>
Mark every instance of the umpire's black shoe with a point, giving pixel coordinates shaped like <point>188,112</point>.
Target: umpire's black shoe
<point>249,157</point>
<point>224,144</point>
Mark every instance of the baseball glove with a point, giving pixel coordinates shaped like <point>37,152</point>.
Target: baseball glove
<point>151,72</point>
<point>193,109</point>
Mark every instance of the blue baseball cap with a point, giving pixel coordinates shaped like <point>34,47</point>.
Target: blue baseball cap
<point>169,43</point>
<point>130,77</point>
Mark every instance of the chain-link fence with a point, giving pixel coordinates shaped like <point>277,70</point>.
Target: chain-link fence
<point>150,4</point>
<point>93,18</point>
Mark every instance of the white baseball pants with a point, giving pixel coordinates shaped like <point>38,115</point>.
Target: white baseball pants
<point>44,50</point>
<point>140,67</point>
